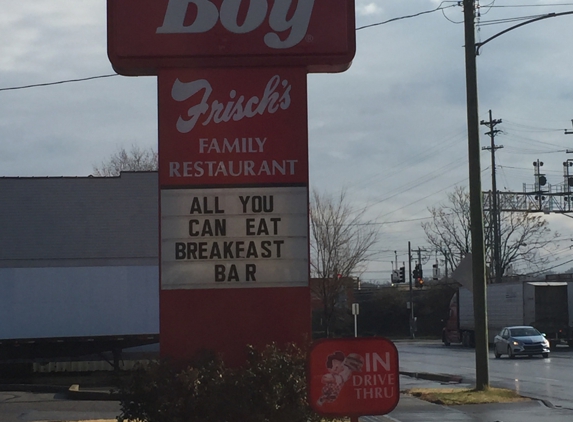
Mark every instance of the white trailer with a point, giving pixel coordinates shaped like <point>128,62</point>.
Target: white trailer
<point>546,305</point>
<point>78,265</point>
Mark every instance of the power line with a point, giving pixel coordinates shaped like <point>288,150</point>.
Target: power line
<point>411,16</point>
<point>58,82</point>
<point>115,74</point>
<point>531,5</point>
<point>527,128</point>
<point>439,8</point>
<point>550,268</point>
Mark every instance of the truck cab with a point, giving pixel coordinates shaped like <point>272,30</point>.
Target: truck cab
<point>451,330</point>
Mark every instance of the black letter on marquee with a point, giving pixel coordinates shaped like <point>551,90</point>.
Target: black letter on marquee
<point>233,273</point>
<point>195,206</point>
<point>192,231</point>
<point>250,271</point>
<point>219,273</point>
<point>180,250</point>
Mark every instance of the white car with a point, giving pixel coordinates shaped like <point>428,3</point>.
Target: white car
<point>520,340</point>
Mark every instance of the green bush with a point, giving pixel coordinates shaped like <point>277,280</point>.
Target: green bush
<point>270,387</point>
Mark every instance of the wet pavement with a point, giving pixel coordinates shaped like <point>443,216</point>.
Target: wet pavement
<point>409,408</point>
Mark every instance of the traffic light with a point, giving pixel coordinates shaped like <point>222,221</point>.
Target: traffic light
<point>402,275</point>
<point>418,276</point>
<point>417,273</point>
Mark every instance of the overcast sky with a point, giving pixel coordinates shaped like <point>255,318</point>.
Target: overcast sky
<point>391,130</point>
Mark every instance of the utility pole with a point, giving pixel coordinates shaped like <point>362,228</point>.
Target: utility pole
<point>476,206</point>
<point>478,256</point>
<point>494,213</point>
<point>412,331</point>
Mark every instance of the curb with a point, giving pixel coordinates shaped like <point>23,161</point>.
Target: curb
<point>453,379</point>
<point>74,393</point>
<point>34,388</point>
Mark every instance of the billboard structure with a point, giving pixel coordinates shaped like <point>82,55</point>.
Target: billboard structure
<point>233,158</point>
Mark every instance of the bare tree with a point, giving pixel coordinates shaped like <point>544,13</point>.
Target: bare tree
<point>136,159</point>
<point>523,236</point>
<point>449,231</point>
<point>340,247</point>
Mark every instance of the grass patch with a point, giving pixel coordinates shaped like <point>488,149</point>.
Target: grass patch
<point>459,396</point>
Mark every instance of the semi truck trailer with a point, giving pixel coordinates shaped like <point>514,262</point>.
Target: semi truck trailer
<point>79,266</point>
<point>545,305</point>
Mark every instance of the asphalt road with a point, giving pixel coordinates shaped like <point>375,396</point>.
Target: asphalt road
<point>548,379</point>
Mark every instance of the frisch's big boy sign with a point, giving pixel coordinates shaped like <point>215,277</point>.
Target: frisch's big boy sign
<point>145,35</point>
<point>233,159</point>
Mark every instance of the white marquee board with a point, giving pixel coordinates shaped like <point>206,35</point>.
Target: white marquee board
<point>234,237</point>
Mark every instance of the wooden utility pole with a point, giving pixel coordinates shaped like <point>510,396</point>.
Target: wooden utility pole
<point>494,214</point>
<point>476,207</point>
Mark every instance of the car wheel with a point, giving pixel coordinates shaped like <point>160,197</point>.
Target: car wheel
<point>545,355</point>
<point>496,353</point>
<point>510,353</point>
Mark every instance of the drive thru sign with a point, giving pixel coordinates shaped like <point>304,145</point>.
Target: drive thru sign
<point>354,377</point>
<point>233,159</point>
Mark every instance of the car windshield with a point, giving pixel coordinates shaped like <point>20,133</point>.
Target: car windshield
<point>524,332</point>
